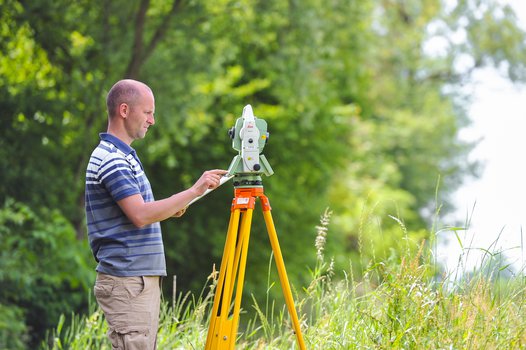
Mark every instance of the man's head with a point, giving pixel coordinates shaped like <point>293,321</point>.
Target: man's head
<point>131,108</point>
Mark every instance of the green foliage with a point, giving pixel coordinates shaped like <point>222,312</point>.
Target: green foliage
<point>43,271</point>
<point>13,330</point>
<point>398,304</point>
<point>362,100</point>
<point>82,333</point>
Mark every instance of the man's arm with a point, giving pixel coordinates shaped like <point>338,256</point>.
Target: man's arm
<point>143,213</point>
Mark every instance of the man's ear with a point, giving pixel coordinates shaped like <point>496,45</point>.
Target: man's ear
<point>124,110</point>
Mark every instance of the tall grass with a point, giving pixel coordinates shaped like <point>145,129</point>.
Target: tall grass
<point>400,303</point>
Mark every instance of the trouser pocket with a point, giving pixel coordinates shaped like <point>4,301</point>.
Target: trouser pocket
<point>130,331</point>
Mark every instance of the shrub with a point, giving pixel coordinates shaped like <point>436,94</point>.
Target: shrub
<point>43,271</point>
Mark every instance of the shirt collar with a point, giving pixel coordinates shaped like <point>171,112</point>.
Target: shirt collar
<point>126,149</point>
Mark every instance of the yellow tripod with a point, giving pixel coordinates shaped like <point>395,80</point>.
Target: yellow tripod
<point>223,328</point>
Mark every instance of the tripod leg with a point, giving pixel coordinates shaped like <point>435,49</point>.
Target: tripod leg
<point>218,317</point>
<point>222,330</point>
<point>240,263</point>
<point>278,257</point>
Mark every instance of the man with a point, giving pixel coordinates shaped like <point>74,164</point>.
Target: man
<point>123,220</point>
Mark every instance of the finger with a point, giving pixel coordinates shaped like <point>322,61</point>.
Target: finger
<point>219,171</point>
<point>217,181</point>
<point>213,184</point>
<point>215,178</point>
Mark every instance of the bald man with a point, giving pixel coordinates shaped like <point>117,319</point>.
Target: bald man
<point>123,219</point>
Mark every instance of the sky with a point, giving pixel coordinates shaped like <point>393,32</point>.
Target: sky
<point>495,204</point>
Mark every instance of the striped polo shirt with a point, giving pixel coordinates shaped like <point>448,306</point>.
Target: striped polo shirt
<point>120,248</point>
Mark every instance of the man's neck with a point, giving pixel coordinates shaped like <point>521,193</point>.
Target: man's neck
<point>120,134</point>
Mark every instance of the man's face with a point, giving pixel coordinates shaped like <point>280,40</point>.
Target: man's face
<point>140,116</point>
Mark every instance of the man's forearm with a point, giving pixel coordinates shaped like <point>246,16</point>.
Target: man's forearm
<point>143,213</point>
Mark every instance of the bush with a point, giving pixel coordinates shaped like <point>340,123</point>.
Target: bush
<point>13,330</point>
<point>43,273</point>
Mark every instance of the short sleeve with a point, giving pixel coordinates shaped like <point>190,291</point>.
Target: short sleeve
<point>116,175</point>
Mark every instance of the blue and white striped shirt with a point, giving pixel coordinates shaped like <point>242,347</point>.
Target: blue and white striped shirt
<point>121,249</point>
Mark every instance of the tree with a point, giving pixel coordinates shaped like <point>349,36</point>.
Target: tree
<point>363,116</point>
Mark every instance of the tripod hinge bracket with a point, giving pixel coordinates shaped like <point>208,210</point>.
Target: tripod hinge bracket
<point>265,203</point>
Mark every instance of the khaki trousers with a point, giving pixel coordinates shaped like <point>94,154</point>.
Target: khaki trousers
<point>131,307</point>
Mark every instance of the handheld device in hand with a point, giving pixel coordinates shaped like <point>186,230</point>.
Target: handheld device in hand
<point>224,179</point>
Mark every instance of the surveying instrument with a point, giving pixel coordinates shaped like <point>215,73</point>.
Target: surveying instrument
<point>249,136</point>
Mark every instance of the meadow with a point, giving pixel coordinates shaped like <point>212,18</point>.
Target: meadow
<point>404,302</point>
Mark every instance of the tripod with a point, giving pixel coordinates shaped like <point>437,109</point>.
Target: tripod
<point>223,328</point>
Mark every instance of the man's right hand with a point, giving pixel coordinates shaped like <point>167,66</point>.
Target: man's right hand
<point>209,180</point>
